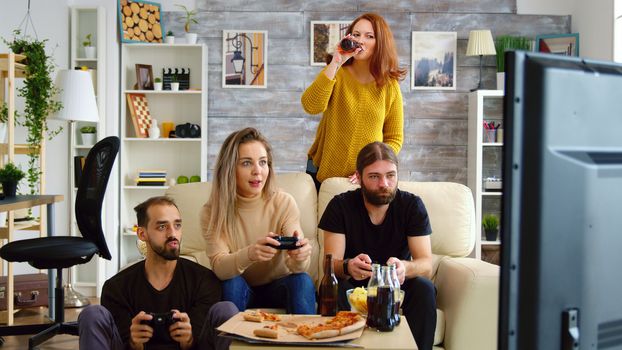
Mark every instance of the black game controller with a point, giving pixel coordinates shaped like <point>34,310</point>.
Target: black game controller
<point>160,322</point>
<point>287,243</point>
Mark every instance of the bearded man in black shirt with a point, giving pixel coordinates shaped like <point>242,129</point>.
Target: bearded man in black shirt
<point>187,293</point>
<point>379,223</point>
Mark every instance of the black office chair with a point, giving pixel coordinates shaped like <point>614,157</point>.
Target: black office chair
<point>60,252</point>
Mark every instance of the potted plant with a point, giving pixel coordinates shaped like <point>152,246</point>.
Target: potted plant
<point>191,38</point>
<point>90,51</point>
<point>88,134</point>
<point>38,92</point>
<point>170,37</point>
<point>174,83</point>
<point>10,176</point>
<point>157,84</point>
<point>490,223</point>
<point>505,43</point>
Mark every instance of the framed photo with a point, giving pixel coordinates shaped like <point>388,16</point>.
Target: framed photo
<point>324,37</point>
<point>141,117</point>
<point>244,58</point>
<point>558,44</point>
<point>434,60</point>
<point>139,21</point>
<point>144,77</point>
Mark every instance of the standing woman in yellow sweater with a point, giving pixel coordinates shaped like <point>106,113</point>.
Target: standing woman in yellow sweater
<point>360,98</point>
<point>240,221</point>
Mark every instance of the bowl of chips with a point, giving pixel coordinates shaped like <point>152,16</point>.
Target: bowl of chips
<point>357,298</point>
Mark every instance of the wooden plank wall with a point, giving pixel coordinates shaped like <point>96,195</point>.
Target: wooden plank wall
<point>435,147</point>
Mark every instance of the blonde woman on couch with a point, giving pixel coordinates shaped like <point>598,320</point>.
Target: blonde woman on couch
<point>240,221</point>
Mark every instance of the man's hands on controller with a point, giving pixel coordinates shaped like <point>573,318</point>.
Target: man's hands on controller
<point>174,325</point>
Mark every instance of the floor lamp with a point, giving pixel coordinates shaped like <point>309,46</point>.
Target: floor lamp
<point>480,44</point>
<point>78,100</point>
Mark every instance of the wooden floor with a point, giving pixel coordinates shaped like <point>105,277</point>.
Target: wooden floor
<point>35,316</point>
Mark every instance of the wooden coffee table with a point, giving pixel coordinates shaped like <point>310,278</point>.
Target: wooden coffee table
<point>399,339</point>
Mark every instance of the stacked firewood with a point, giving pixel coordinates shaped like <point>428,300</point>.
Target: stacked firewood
<point>141,21</point>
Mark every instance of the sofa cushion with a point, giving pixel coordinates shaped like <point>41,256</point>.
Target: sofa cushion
<point>191,197</point>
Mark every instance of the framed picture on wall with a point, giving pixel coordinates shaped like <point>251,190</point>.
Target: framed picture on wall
<point>434,60</point>
<point>139,21</point>
<point>244,58</point>
<point>324,37</point>
<point>558,44</point>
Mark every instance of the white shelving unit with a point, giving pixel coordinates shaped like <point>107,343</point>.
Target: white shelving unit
<point>484,158</point>
<point>177,156</point>
<point>89,278</point>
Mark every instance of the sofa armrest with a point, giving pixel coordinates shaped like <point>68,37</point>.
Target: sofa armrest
<point>468,294</point>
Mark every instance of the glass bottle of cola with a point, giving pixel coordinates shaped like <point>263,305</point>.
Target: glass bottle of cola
<point>372,293</point>
<point>385,303</point>
<point>329,289</point>
<point>396,292</point>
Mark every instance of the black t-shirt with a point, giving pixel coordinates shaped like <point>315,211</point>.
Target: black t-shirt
<point>193,289</point>
<point>406,216</point>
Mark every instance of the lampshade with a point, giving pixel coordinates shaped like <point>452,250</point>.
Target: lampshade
<point>480,43</point>
<point>76,95</point>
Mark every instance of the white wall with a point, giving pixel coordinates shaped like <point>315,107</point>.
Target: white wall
<point>593,20</point>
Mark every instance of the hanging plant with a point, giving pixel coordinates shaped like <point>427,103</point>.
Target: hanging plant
<point>38,93</point>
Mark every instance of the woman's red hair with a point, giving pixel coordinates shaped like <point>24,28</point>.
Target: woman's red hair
<point>384,63</point>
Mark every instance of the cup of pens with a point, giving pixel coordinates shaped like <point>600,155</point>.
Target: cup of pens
<point>490,131</point>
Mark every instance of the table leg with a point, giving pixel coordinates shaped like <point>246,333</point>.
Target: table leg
<point>51,272</point>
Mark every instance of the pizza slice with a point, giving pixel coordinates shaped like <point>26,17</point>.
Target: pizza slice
<point>343,323</point>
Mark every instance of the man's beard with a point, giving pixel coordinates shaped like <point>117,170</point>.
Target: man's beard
<point>166,253</point>
<point>380,197</point>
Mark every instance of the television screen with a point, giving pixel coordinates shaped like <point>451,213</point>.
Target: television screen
<point>561,259</point>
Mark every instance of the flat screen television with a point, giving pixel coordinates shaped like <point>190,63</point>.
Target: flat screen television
<point>561,257</point>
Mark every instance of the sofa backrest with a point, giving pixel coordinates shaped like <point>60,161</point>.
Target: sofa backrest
<point>450,207</point>
<point>191,197</point>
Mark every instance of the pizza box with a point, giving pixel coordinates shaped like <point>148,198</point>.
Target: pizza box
<point>238,328</point>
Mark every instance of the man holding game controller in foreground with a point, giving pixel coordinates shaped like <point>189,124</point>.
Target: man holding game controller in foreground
<point>383,224</point>
<point>182,295</point>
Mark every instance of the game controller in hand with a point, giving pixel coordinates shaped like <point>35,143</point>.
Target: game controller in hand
<point>160,323</point>
<point>288,243</point>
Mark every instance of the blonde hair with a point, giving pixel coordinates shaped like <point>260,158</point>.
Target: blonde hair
<point>223,197</point>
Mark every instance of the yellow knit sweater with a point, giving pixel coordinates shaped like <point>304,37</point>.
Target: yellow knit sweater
<point>355,114</point>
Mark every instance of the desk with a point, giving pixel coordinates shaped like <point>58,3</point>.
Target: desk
<point>399,339</point>
<point>23,202</point>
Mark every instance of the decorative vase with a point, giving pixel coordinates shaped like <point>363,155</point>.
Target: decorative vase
<point>191,38</point>
<point>154,131</point>
<point>88,139</point>
<point>491,235</point>
<point>9,188</point>
<point>169,39</point>
<point>500,80</point>
<point>174,86</point>
<point>157,86</point>
<point>90,52</point>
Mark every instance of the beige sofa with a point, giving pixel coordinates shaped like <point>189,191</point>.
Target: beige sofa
<point>467,288</point>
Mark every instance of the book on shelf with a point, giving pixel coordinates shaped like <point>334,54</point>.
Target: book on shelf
<point>149,183</point>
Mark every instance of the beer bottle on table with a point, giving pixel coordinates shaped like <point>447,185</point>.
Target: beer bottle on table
<point>396,291</point>
<point>329,288</point>
<point>385,303</point>
<point>372,292</point>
